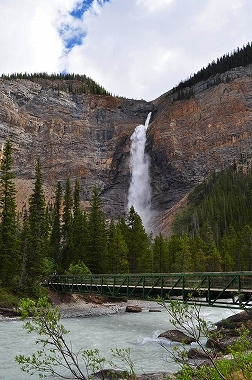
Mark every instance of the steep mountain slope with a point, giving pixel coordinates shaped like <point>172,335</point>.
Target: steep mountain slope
<point>87,136</point>
<point>190,138</point>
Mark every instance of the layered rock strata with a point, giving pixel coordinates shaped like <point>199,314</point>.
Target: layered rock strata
<point>87,137</point>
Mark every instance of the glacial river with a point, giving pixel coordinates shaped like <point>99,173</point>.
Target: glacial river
<point>139,332</point>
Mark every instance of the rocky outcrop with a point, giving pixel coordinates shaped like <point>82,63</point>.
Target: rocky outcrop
<point>230,331</point>
<point>87,137</point>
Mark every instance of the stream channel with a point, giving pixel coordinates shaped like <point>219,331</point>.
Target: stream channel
<point>137,331</point>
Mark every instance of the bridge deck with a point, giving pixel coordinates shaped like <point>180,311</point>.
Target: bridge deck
<point>216,289</point>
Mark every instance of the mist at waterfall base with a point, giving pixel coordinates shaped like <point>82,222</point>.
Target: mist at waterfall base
<point>139,195</point>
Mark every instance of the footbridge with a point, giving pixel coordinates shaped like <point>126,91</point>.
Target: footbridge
<point>225,289</point>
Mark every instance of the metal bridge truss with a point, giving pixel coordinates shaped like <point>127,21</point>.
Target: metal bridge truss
<point>228,289</point>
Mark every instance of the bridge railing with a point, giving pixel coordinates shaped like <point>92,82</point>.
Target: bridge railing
<point>212,285</point>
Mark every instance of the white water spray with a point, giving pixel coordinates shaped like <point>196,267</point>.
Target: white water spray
<point>140,190</point>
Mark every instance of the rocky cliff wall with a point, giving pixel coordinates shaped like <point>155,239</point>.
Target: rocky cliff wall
<point>81,136</point>
<point>189,139</point>
<point>87,137</point>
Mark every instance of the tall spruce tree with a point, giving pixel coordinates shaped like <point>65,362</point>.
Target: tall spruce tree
<point>97,235</point>
<point>38,236</point>
<point>67,227</point>
<point>80,228</point>
<point>56,237</point>
<point>160,255</point>
<point>117,255</point>
<point>9,242</point>
<point>139,254</point>
<point>25,237</point>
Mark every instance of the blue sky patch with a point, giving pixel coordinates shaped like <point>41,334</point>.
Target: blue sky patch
<point>81,8</point>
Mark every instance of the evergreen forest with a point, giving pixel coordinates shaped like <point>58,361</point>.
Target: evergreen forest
<point>240,57</point>
<point>72,83</point>
<point>212,233</point>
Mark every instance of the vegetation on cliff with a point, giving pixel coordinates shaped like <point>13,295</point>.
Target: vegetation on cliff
<point>219,210</point>
<point>73,83</point>
<point>239,57</point>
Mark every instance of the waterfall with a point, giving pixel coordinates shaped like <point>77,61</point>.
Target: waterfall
<point>139,195</point>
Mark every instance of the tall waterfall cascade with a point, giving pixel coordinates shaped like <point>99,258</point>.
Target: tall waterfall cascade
<point>139,195</point>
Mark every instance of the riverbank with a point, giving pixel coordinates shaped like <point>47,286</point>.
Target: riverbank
<point>73,306</point>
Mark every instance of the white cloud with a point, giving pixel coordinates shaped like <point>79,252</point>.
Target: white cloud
<point>142,48</point>
<point>134,48</point>
<point>29,38</point>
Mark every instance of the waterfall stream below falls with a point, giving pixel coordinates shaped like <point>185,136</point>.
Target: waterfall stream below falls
<point>137,331</point>
<point>140,190</point>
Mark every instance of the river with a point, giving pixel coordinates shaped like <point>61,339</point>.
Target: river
<point>137,331</point>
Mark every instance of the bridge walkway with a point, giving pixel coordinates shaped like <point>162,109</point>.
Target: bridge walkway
<point>225,289</point>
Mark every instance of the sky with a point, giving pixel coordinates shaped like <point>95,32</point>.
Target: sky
<point>139,49</point>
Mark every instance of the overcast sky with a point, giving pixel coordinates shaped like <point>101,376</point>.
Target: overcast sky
<point>134,48</point>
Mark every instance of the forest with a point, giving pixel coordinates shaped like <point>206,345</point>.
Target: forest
<point>239,57</point>
<point>72,83</point>
<point>213,232</point>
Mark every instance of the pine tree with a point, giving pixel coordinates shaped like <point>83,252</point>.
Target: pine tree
<point>80,229</point>
<point>213,258</point>
<point>160,255</point>
<point>137,241</point>
<point>246,248</point>
<point>117,251</point>
<point>9,243</point>
<point>38,238</point>
<point>55,237</point>
<point>198,255</point>
<point>97,235</point>
<point>25,237</point>
<point>67,227</point>
<point>183,258</point>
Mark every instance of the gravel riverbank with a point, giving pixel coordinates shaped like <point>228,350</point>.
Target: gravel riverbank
<point>73,306</point>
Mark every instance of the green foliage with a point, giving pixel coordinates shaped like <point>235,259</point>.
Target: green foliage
<point>37,230</point>
<point>55,355</point>
<point>79,268</point>
<point>55,236</point>
<point>187,318</point>
<point>7,298</point>
<point>219,219</point>
<point>80,228</point>
<point>67,227</point>
<point>9,239</point>
<point>139,255</point>
<point>97,235</point>
<point>117,253</point>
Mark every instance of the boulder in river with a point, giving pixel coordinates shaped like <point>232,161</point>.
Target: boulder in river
<point>177,336</point>
<point>133,309</point>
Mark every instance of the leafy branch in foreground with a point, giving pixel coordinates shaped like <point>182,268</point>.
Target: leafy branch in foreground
<point>187,317</point>
<point>55,357</point>
<point>55,353</point>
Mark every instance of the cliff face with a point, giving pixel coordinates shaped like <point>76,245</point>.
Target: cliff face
<point>87,137</point>
<point>81,136</point>
<point>189,139</point>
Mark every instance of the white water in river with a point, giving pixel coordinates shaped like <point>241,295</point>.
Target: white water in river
<point>139,332</point>
<point>140,190</point>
